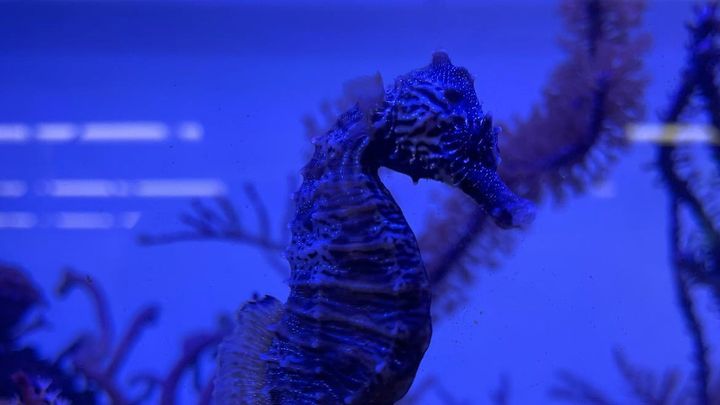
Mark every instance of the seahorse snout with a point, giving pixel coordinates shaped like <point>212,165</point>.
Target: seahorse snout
<point>507,209</point>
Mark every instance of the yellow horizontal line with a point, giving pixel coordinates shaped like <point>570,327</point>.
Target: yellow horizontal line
<point>667,134</point>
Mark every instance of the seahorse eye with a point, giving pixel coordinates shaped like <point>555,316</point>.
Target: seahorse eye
<point>453,96</point>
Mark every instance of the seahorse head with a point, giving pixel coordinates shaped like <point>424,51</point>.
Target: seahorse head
<point>432,126</point>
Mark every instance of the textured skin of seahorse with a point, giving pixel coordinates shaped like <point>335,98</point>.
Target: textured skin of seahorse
<point>357,321</point>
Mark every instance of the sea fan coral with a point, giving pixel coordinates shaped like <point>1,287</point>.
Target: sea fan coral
<point>566,144</point>
<point>691,176</point>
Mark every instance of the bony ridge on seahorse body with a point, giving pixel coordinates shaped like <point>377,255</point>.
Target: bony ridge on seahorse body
<point>357,321</point>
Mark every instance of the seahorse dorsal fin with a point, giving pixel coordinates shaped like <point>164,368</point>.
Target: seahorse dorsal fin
<point>367,91</point>
<point>241,377</point>
<point>440,58</point>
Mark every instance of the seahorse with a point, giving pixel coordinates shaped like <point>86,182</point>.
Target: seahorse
<point>357,321</point>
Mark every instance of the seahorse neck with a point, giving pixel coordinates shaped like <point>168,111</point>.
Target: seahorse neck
<point>359,291</point>
<point>342,199</point>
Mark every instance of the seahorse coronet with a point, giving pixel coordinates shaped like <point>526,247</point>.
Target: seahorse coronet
<point>356,323</point>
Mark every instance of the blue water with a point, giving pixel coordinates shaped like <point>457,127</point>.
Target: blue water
<point>589,275</point>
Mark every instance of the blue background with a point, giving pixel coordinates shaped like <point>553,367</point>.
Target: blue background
<point>588,276</point>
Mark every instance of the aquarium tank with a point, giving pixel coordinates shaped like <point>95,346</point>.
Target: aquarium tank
<point>360,202</point>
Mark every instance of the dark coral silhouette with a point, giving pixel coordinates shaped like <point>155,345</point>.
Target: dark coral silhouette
<point>24,372</point>
<point>87,370</point>
<point>691,175</point>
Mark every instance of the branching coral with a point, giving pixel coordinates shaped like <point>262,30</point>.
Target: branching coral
<point>224,223</point>
<point>93,355</point>
<point>691,176</point>
<point>692,183</point>
<point>24,374</point>
<point>87,370</point>
<point>566,144</point>
<point>569,140</point>
<point>643,387</point>
<point>194,347</point>
<point>695,262</point>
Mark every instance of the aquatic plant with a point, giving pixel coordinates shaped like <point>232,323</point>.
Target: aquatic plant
<point>357,321</point>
